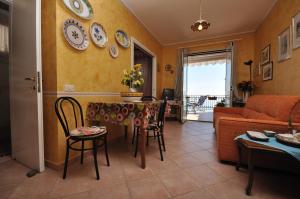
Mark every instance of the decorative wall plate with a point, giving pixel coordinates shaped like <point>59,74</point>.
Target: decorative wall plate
<point>82,8</point>
<point>75,34</point>
<point>114,51</point>
<point>122,38</point>
<point>98,34</point>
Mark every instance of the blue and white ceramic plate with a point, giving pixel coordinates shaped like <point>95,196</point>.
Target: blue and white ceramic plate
<point>75,34</point>
<point>82,8</point>
<point>98,35</point>
<point>114,51</point>
<point>122,38</point>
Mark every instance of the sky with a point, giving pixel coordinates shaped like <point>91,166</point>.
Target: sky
<point>206,80</point>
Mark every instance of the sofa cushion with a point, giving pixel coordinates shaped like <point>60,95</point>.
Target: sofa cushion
<point>220,114</point>
<point>250,114</point>
<point>275,106</point>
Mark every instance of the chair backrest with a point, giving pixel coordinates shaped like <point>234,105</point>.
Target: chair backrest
<point>149,98</point>
<point>161,114</point>
<point>201,100</point>
<point>63,104</point>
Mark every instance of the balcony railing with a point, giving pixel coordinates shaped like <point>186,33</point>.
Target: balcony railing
<point>202,103</point>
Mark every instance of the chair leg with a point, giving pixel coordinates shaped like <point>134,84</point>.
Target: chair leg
<point>82,152</point>
<point>106,152</point>
<point>126,132</point>
<point>163,139</point>
<point>137,144</point>
<point>133,136</point>
<point>66,160</point>
<point>159,145</point>
<point>154,134</point>
<point>95,158</point>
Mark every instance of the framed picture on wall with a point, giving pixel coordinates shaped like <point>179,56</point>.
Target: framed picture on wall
<point>296,30</point>
<point>268,72</point>
<point>284,45</point>
<point>265,55</point>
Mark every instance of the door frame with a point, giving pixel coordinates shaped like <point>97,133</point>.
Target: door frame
<point>154,62</point>
<point>39,69</point>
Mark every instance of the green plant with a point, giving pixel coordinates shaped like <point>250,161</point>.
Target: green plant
<point>245,86</point>
<point>133,78</point>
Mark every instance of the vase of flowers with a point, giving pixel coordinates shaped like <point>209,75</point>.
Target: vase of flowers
<point>134,80</point>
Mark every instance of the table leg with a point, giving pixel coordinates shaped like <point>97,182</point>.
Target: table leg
<point>142,147</point>
<point>251,173</point>
<point>238,164</point>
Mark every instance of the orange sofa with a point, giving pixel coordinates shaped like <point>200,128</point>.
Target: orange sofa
<point>262,112</point>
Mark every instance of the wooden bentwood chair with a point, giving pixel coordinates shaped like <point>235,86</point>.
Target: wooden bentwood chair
<point>61,105</point>
<point>158,131</point>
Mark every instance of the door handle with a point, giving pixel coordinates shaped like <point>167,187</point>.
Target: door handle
<point>30,79</point>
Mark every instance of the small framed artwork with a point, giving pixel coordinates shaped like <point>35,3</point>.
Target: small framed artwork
<point>296,30</point>
<point>265,55</point>
<point>268,72</point>
<point>284,45</point>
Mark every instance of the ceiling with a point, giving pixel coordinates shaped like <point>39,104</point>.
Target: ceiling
<point>169,21</point>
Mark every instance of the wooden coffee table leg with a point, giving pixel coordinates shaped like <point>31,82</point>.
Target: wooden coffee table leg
<point>238,165</point>
<point>251,172</point>
<point>142,147</point>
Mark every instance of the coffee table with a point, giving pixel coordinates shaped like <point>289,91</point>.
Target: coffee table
<point>252,146</point>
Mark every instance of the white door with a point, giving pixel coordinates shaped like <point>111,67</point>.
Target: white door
<point>228,77</point>
<point>25,84</point>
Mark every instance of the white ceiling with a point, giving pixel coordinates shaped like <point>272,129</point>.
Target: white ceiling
<point>170,20</point>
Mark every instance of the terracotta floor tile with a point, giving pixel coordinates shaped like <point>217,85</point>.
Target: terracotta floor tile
<point>204,176</point>
<point>133,171</point>
<point>186,161</point>
<point>38,186</point>
<point>202,194</point>
<point>227,190</point>
<point>118,191</point>
<point>190,170</point>
<point>204,156</point>
<point>226,170</point>
<point>178,182</point>
<point>148,188</point>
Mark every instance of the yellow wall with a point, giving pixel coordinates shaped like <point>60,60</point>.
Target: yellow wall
<point>244,51</point>
<point>285,74</point>
<point>90,71</point>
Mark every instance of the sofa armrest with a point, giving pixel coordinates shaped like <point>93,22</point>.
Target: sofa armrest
<point>233,110</point>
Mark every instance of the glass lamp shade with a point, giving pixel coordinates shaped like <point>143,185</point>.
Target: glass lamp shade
<point>200,25</point>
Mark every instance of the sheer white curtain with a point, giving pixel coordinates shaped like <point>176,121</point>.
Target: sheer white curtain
<point>4,39</point>
<point>4,31</point>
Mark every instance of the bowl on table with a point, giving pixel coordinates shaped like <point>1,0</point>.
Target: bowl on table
<point>269,133</point>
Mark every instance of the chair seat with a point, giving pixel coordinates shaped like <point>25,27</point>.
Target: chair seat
<point>153,126</point>
<point>88,131</point>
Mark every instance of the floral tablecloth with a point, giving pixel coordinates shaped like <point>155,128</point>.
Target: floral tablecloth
<point>122,112</point>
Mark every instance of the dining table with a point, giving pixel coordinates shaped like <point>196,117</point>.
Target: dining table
<point>125,113</point>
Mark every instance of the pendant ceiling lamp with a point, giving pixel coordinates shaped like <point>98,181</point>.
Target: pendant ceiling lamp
<point>200,24</point>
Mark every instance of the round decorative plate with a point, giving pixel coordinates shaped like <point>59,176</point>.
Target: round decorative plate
<point>82,8</point>
<point>98,34</point>
<point>122,38</point>
<point>114,51</point>
<point>75,34</point>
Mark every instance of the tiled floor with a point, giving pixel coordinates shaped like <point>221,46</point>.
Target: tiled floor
<point>201,116</point>
<point>190,170</point>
